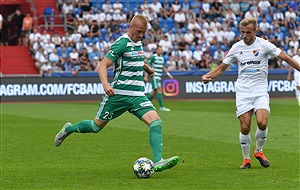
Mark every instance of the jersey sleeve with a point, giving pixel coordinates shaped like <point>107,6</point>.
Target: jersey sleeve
<point>230,58</point>
<point>117,49</point>
<point>272,49</point>
<point>151,60</point>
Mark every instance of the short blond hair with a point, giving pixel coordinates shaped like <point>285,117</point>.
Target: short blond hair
<point>139,19</point>
<point>247,21</point>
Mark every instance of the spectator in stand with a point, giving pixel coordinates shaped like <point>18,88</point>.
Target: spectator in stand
<point>292,51</point>
<point>294,43</point>
<point>18,17</point>
<point>214,24</point>
<point>38,44</point>
<point>67,7</point>
<point>156,6</point>
<point>74,60</point>
<point>145,7</point>
<point>166,7</point>
<point>193,25</point>
<point>117,5</point>
<point>66,38</point>
<point>56,39</point>
<point>84,61</point>
<point>197,56</point>
<point>94,29</point>
<point>95,63</point>
<point>225,6</point>
<point>83,28</point>
<point>188,54</point>
<point>206,10</point>
<point>190,15</point>
<point>189,37</point>
<point>54,60</point>
<point>49,47</point>
<point>292,27</point>
<point>196,6</point>
<point>80,45</point>
<point>236,8</point>
<point>231,18</point>
<point>185,5</point>
<point>265,8</point>
<point>244,7</point>
<point>70,21</point>
<point>100,17</point>
<point>102,47</point>
<point>219,36</point>
<point>49,18</point>
<point>46,69</point>
<point>219,56</point>
<point>151,45</point>
<point>210,36</point>
<point>228,35</point>
<point>34,36</point>
<point>165,43</point>
<point>269,35</point>
<point>180,19</point>
<point>45,36</point>
<point>85,6</point>
<point>106,7</point>
<point>252,13</point>
<point>94,53</point>
<point>182,43</point>
<point>282,5</point>
<point>26,28</point>
<point>89,17</point>
<point>156,25</point>
<point>171,64</point>
<point>207,56</point>
<point>171,36</point>
<point>75,36</point>
<point>151,15</point>
<point>263,26</point>
<point>184,64</point>
<point>40,58</point>
<point>179,35</point>
<point>4,32</point>
<point>176,6</point>
<point>176,53</point>
<point>278,17</point>
<point>216,8</point>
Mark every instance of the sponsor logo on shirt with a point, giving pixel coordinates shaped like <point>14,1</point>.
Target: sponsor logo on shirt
<point>255,53</point>
<point>250,63</point>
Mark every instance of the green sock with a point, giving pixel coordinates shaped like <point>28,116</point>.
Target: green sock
<point>84,126</point>
<point>160,100</point>
<point>155,138</point>
<point>150,96</point>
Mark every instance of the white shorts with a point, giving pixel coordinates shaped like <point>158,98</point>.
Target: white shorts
<point>296,77</point>
<point>245,103</point>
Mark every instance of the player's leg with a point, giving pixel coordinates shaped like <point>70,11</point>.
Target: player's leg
<point>145,111</point>
<point>106,112</point>
<point>244,111</point>
<point>154,91</point>
<point>297,91</point>
<point>262,111</point>
<point>245,138</point>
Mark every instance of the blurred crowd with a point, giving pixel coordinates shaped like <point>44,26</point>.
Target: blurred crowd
<point>193,34</point>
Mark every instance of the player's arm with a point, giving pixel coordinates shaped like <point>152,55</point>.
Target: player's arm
<point>148,70</point>
<point>214,73</point>
<point>292,62</point>
<point>102,72</point>
<point>167,72</point>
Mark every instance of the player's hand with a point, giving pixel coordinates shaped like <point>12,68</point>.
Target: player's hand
<point>148,70</point>
<point>206,79</point>
<point>109,90</point>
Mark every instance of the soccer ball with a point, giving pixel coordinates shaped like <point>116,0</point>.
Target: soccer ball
<point>143,168</point>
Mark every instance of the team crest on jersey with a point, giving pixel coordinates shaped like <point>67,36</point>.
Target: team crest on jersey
<point>255,53</point>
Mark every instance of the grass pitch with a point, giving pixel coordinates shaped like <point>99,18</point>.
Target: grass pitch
<point>204,134</point>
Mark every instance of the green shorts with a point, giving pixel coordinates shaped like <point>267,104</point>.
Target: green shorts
<point>155,82</point>
<point>112,107</point>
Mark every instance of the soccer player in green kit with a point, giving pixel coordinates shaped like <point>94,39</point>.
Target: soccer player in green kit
<point>125,93</point>
<point>156,62</point>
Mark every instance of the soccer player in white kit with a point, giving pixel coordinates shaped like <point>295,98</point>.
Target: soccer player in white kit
<point>296,76</point>
<point>252,96</point>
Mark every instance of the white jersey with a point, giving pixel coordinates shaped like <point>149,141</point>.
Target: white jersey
<point>252,65</point>
<point>296,72</point>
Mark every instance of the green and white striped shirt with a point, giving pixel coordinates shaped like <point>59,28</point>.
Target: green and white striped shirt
<point>128,58</point>
<point>157,63</point>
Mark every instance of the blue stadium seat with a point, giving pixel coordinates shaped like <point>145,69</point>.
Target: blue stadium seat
<point>224,47</point>
<point>161,21</point>
<point>87,40</point>
<point>69,49</point>
<point>183,30</point>
<point>174,30</point>
<point>95,40</point>
<point>103,31</point>
<point>170,22</point>
<point>213,49</point>
<point>76,11</point>
<point>59,50</point>
<point>192,48</point>
<point>165,30</point>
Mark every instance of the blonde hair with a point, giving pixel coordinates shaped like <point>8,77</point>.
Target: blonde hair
<point>247,21</point>
<point>139,19</point>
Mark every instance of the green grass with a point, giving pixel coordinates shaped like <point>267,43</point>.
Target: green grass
<point>204,134</point>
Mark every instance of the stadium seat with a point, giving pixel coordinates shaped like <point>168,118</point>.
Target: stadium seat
<point>170,22</point>
<point>224,47</point>
<point>183,30</point>
<point>69,49</point>
<point>103,31</point>
<point>165,30</point>
<point>95,40</point>
<point>192,48</point>
<point>213,49</point>
<point>161,21</point>
<point>76,11</point>
<point>174,30</point>
<point>87,40</point>
<point>59,50</point>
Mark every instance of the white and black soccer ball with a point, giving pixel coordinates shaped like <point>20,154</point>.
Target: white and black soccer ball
<point>143,168</point>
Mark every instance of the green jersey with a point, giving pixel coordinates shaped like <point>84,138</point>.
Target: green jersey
<point>157,63</point>
<point>128,58</point>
